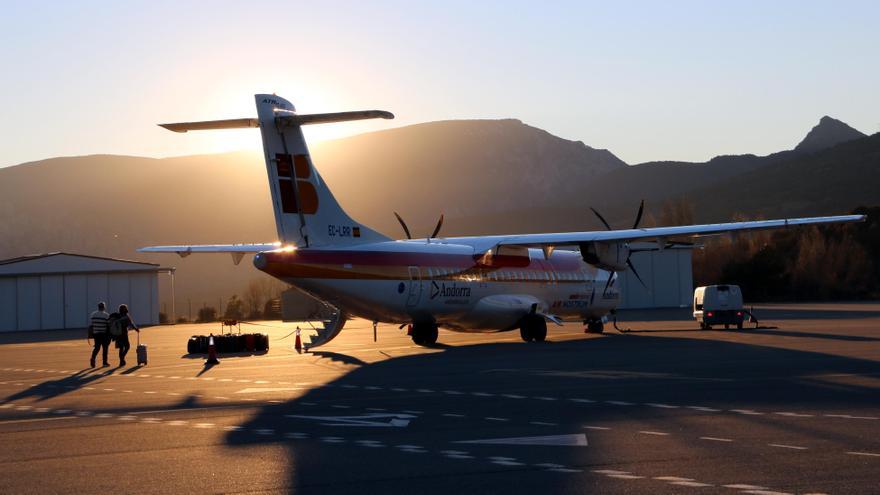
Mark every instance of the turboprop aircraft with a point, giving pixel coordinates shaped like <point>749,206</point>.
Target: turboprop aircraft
<point>470,284</point>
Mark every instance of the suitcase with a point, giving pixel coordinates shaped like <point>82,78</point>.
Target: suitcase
<point>141,352</point>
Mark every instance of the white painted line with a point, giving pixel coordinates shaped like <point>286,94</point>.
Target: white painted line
<point>658,433</point>
<point>339,406</point>
<point>794,415</point>
<point>104,415</point>
<point>704,409</point>
<point>672,478</point>
<point>490,418</point>
<point>716,439</point>
<point>513,396</point>
<point>425,391</point>
<point>583,401</point>
<point>377,409</point>
<point>127,418</point>
<point>204,425</point>
<point>784,446</point>
<point>453,452</point>
<point>398,389</point>
<point>308,403</point>
<point>174,377</point>
<point>332,439</point>
<point>542,423</point>
<point>176,422</point>
<point>661,406</point>
<point>34,420</point>
<point>151,420</point>
<point>694,484</point>
<point>221,398</point>
<point>847,416</point>
<point>459,456</point>
<point>413,412</point>
<point>232,428</point>
<point>452,415</point>
<point>747,412</point>
<point>242,381</point>
<point>373,387</point>
<point>264,431</point>
<point>261,381</point>
<point>507,463</point>
<point>84,414</point>
<point>625,476</point>
<point>150,392</point>
<point>869,454</point>
<point>765,492</point>
<point>596,427</point>
<point>452,392</point>
<point>292,435</point>
<point>740,486</point>
<point>619,402</point>
<point>545,398</point>
<point>23,408</point>
<point>482,394</point>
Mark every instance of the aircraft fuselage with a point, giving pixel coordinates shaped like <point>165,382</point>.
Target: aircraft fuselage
<point>447,284</point>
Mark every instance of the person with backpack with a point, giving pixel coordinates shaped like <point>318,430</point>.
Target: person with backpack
<point>98,331</point>
<point>119,329</point>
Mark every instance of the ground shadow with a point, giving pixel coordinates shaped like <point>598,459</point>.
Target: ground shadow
<point>612,367</point>
<point>338,357</point>
<point>58,387</point>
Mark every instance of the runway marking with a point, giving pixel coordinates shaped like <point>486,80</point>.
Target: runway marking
<point>766,492</point>
<point>225,380</point>
<point>619,403</point>
<point>610,471</point>
<point>377,409</point>
<point>150,392</point>
<point>747,412</point>
<point>232,428</point>
<point>868,454</point>
<point>625,476</point>
<point>482,394</point>
<point>794,415</point>
<point>398,389</point>
<point>332,439</point>
<point>513,396</point>
<point>784,446</point>
<point>264,431</point>
<point>453,415</point>
<point>662,406</point>
<point>293,435</point>
<point>847,416</point>
<point>704,409</point>
<point>370,443</point>
<point>203,425</point>
<point>695,484</point>
<point>452,392</point>
<point>542,423</point>
<point>572,440</point>
<point>337,406</point>
<point>222,398</point>
<point>657,433</point>
<point>507,463</point>
<point>176,422</point>
<point>490,418</point>
<point>127,418</point>
<point>425,391</point>
<point>672,478</point>
<point>23,408</point>
<point>373,387</point>
<point>545,398</point>
<point>104,415</point>
<point>413,412</point>
<point>716,439</point>
<point>34,420</point>
<point>596,427</point>
<point>583,401</point>
<point>740,486</point>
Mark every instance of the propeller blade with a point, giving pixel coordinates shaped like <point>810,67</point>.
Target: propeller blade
<point>437,228</point>
<point>601,218</point>
<point>639,215</point>
<point>633,269</point>
<point>403,224</point>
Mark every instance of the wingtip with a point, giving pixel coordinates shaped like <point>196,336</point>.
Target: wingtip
<point>172,128</point>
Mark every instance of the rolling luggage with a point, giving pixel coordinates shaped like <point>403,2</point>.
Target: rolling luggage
<point>141,352</point>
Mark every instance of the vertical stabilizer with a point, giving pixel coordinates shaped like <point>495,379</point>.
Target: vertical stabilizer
<point>306,213</point>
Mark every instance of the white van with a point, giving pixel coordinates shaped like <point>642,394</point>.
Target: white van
<point>718,305</point>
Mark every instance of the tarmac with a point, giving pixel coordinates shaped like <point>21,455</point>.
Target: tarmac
<point>792,407</point>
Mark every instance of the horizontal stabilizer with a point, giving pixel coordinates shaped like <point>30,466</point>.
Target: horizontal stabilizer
<point>292,119</point>
<point>283,120</point>
<point>208,125</point>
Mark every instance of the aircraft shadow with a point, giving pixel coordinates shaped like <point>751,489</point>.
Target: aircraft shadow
<point>332,459</point>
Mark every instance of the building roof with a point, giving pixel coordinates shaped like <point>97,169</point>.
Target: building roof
<point>60,262</point>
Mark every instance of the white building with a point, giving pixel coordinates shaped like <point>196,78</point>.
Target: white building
<point>60,290</point>
<point>668,274</point>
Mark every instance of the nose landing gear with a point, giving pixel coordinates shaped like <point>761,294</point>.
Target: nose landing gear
<point>594,326</point>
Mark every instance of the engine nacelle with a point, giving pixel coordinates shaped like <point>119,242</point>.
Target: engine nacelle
<point>609,256</point>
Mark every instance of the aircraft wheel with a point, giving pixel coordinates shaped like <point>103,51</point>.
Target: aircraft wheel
<point>424,334</point>
<point>525,332</point>
<point>539,330</point>
<point>595,326</point>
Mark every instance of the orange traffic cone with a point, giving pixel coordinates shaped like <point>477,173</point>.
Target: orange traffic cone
<point>212,351</point>
<point>297,344</point>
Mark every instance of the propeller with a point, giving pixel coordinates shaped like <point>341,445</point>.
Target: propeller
<point>629,263</point>
<point>406,229</point>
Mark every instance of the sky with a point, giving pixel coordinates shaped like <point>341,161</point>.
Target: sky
<point>671,80</point>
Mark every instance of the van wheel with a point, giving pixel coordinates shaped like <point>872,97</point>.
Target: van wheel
<point>727,326</point>
<point>739,325</point>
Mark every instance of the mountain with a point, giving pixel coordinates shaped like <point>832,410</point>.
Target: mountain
<point>487,176</point>
<point>827,133</point>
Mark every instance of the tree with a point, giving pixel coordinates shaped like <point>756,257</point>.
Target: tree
<point>207,314</point>
<point>234,309</point>
<point>259,292</point>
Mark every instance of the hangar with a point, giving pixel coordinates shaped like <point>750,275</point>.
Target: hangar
<point>667,273</point>
<point>60,290</point>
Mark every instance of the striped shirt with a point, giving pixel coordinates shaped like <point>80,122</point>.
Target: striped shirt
<point>98,321</point>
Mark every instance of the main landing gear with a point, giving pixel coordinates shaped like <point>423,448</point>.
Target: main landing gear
<point>424,333</point>
<point>594,326</point>
<point>533,327</point>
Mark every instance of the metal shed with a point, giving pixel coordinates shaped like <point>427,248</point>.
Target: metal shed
<point>668,274</point>
<point>60,290</point>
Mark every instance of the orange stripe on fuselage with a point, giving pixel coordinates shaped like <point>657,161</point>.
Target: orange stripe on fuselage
<point>383,265</point>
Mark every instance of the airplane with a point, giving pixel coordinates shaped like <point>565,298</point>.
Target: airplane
<point>488,283</point>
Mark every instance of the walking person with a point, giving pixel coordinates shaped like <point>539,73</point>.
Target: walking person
<point>99,329</point>
<point>124,322</point>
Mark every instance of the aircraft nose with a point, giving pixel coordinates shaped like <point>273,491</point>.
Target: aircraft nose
<point>260,261</point>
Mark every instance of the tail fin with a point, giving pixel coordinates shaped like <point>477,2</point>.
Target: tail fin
<point>306,213</point>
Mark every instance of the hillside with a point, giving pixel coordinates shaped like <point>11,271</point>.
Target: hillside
<point>486,176</point>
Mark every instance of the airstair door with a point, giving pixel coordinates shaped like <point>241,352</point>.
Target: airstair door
<point>415,286</point>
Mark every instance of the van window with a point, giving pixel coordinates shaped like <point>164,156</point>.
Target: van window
<point>723,288</point>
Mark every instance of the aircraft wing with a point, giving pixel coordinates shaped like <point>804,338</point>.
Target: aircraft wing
<point>236,250</point>
<point>577,238</point>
